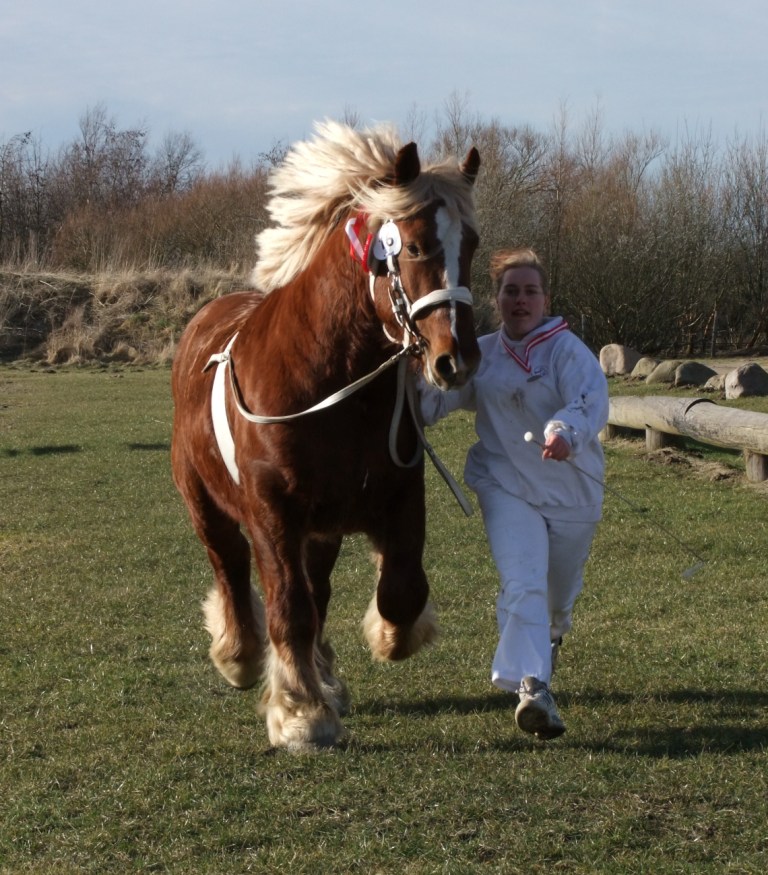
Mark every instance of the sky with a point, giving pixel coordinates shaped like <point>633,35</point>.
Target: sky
<point>242,76</point>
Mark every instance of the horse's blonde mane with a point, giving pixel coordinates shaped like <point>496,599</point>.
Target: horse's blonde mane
<point>339,171</point>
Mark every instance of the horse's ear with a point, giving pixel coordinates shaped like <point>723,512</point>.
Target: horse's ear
<point>407,164</point>
<point>470,165</point>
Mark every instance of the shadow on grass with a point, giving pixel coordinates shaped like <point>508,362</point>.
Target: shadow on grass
<point>162,445</point>
<point>672,737</point>
<point>733,723</point>
<point>682,742</point>
<point>46,450</point>
<point>52,450</point>
<point>737,700</point>
<point>443,705</point>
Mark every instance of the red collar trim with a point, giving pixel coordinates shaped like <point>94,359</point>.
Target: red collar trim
<point>525,362</point>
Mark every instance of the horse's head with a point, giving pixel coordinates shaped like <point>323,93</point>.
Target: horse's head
<point>420,261</point>
<point>419,220</point>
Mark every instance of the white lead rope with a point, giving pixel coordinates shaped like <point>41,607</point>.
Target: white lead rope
<point>462,499</point>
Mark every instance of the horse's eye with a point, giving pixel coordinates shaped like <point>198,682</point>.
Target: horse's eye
<point>413,250</point>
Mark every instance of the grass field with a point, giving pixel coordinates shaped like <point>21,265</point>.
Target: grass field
<point>121,750</point>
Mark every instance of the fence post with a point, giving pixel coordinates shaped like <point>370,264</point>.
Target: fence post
<point>756,466</point>
<point>656,440</point>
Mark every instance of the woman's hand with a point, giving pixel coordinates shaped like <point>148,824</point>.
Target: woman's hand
<point>557,448</point>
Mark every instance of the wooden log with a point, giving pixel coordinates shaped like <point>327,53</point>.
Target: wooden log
<point>700,419</point>
<point>697,418</point>
<point>609,432</point>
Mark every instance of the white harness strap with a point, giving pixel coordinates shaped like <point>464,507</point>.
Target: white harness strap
<point>219,411</point>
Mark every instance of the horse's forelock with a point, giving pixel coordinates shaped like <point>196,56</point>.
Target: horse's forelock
<point>337,172</point>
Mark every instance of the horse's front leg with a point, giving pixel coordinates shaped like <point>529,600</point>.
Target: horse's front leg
<point>301,710</point>
<point>400,619</point>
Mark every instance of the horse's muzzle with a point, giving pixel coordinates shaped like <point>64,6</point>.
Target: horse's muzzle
<point>449,371</point>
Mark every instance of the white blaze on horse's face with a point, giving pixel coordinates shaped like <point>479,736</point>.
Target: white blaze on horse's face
<point>449,232</point>
<point>441,311</point>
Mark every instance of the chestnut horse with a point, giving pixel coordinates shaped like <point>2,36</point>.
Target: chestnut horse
<point>367,265</point>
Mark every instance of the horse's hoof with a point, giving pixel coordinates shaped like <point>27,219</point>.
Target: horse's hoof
<point>389,642</point>
<point>302,727</point>
<point>242,675</point>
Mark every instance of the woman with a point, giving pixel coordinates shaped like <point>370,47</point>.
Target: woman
<point>540,516</point>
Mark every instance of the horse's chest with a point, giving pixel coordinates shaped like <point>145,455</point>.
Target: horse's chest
<point>348,477</point>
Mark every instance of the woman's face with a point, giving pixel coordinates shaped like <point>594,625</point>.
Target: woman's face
<point>521,301</point>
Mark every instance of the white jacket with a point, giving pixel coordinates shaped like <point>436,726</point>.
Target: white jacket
<point>548,382</point>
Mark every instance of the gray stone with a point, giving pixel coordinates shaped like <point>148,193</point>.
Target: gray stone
<point>644,367</point>
<point>715,383</point>
<point>693,374</point>
<point>749,379</point>
<point>617,360</point>
<point>664,372</point>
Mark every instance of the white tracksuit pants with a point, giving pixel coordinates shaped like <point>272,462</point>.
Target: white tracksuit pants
<point>540,563</point>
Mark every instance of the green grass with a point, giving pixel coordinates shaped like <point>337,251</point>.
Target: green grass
<point>121,750</point>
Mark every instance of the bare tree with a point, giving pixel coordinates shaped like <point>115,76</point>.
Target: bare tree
<point>603,282</point>
<point>689,227</point>
<point>12,190</point>
<point>746,199</point>
<point>178,163</point>
<point>456,128</point>
<point>414,126</point>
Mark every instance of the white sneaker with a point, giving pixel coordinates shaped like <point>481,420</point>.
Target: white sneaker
<point>537,712</point>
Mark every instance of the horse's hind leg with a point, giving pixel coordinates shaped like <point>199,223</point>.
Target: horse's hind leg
<point>234,615</point>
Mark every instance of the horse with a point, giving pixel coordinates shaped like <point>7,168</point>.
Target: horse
<point>290,431</point>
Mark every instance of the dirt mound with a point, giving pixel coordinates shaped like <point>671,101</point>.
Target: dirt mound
<point>713,471</point>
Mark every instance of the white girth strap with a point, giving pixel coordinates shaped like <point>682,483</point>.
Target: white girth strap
<point>219,411</point>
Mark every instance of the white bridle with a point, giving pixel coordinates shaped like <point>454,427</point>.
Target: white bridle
<point>387,245</point>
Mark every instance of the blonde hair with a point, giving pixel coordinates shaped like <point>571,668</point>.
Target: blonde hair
<point>339,171</point>
<point>506,259</point>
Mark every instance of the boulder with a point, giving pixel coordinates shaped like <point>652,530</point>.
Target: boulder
<point>715,383</point>
<point>664,372</point>
<point>749,379</point>
<point>693,374</point>
<point>644,367</point>
<point>617,360</point>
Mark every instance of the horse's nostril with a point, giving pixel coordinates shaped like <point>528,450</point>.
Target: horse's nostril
<point>445,366</point>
